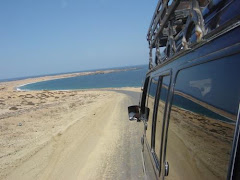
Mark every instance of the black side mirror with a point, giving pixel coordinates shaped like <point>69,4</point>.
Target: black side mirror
<point>133,113</point>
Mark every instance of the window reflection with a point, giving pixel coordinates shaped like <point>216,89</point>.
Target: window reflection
<point>160,113</point>
<point>202,120</point>
<point>151,98</point>
<point>203,85</point>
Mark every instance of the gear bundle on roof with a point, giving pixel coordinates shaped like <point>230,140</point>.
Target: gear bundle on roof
<point>175,26</point>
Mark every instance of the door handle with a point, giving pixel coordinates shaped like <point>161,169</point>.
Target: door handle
<point>166,169</point>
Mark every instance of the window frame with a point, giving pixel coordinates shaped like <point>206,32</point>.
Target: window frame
<point>154,154</point>
<point>157,164</point>
<point>149,144</point>
<point>235,154</point>
<point>235,143</point>
<point>144,95</point>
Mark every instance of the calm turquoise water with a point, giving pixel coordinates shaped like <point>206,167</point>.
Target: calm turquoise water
<point>131,78</point>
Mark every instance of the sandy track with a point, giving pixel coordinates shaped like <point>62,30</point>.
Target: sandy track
<point>100,144</point>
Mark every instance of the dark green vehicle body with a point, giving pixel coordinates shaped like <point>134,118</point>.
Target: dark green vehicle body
<point>190,105</point>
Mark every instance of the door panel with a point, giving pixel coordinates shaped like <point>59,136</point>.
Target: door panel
<point>150,173</point>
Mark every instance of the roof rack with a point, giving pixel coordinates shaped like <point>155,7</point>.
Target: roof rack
<point>171,27</point>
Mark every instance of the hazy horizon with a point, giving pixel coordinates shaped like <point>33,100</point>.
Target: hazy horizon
<point>69,72</point>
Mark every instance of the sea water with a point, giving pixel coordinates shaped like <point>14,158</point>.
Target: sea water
<point>130,78</point>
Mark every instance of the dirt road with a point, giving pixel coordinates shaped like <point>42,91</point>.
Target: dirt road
<point>103,145</point>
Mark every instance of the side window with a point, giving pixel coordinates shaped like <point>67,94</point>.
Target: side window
<point>144,94</point>
<point>160,114</point>
<point>202,121</point>
<point>150,105</point>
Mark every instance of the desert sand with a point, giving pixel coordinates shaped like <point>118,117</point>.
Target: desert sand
<point>66,134</point>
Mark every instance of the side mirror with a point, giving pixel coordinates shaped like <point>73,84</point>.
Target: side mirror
<point>133,113</point>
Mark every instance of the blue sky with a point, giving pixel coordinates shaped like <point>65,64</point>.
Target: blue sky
<point>53,36</point>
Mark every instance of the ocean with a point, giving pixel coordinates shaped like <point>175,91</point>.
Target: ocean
<point>131,78</point>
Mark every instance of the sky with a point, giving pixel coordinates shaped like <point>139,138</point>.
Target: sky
<point>53,36</point>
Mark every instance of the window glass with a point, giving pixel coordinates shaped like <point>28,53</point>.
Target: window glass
<point>202,121</point>
<point>144,94</point>
<point>151,98</point>
<point>160,113</point>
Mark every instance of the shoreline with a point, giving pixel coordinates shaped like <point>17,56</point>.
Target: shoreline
<point>16,84</point>
<point>31,120</point>
<point>89,89</point>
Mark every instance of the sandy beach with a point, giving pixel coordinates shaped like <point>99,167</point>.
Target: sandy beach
<point>64,134</point>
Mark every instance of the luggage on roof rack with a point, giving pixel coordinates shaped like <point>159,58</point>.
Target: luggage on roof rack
<point>175,26</point>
